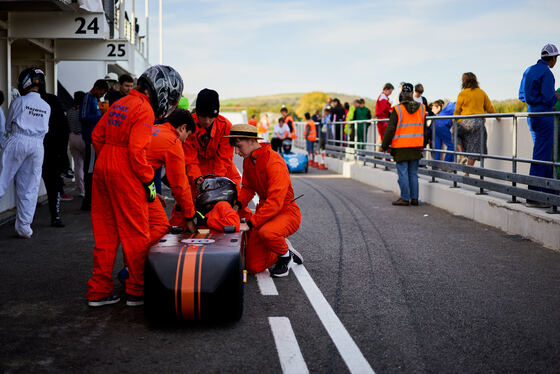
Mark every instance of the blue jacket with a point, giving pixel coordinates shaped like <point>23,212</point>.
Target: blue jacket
<point>89,116</point>
<point>447,111</point>
<point>537,88</point>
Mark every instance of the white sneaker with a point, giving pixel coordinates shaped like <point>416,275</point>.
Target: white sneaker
<point>297,257</point>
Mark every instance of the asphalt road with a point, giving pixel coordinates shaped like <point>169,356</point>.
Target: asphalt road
<point>417,289</point>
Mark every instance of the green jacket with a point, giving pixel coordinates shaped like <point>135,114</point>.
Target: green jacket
<point>403,154</point>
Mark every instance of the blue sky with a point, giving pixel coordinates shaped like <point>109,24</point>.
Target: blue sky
<point>247,48</point>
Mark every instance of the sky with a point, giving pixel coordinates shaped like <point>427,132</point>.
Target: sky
<point>257,47</point>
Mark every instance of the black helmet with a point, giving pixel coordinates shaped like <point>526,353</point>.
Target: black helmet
<point>213,190</point>
<point>31,77</point>
<point>165,86</point>
<point>287,145</point>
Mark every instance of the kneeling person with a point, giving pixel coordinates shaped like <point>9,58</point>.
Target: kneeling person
<point>277,215</point>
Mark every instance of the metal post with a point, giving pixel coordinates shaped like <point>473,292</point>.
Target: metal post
<point>147,40</point>
<point>160,32</point>
<point>455,159</point>
<point>514,157</point>
<point>433,149</point>
<point>355,140</point>
<point>483,135</point>
<point>375,141</point>
<point>554,209</point>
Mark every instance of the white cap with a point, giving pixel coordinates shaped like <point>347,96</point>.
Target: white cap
<point>549,50</point>
<point>112,77</point>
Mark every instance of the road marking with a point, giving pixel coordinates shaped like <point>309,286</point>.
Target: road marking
<point>291,359</point>
<point>266,284</point>
<point>351,354</point>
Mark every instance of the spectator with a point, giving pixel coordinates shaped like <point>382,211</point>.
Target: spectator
<point>472,131</point>
<point>417,96</point>
<point>316,117</point>
<point>253,121</point>
<point>281,131</point>
<point>443,128</point>
<point>77,145</point>
<point>328,104</point>
<point>406,134</point>
<point>362,113</point>
<point>2,117</point>
<point>55,162</point>
<point>383,109</point>
<point>537,90</point>
<point>337,115</point>
<point>125,85</point>
<point>310,136</point>
<point>350,116</point>
<point>288,120</point>
<point>326,133</point>
<point>89,116</point>
<point>21,150</point>
<point>263,127</point>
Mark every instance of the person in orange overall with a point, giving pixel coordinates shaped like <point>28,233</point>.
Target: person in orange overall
<point>207,151</point>
<point>214,205</point>
<point>167,149</point>
<point>288,120</point>
<point>277,215</point>
<point>123,182</point>
<point>253,121</point>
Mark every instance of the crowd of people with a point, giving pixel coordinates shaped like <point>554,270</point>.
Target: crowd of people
<point>120,146</point>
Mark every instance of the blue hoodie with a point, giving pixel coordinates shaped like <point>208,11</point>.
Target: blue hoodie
<point>537,88</point>
<point>447,111</point>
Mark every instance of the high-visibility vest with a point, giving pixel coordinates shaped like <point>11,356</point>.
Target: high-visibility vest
<point>312,134</point>
<point>293,135</point>
<point>410,128</point>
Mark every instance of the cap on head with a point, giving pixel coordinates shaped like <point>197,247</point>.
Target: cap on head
<point>407,87</point>
<point>549,50</point>
<point>111,77</point>
<point>208,103</point>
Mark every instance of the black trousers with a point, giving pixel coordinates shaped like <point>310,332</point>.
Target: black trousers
<point>89,161</point>
<point>54,185</point>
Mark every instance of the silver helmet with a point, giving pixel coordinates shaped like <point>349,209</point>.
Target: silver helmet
<point>165,86</point>
<point>31,77</point>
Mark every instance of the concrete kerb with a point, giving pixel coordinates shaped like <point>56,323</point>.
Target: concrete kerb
<point>530,223</point>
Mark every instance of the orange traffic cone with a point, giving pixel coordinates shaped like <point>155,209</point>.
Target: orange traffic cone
<point>322,162</point>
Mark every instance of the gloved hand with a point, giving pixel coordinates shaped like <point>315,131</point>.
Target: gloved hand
<point>150,188</point>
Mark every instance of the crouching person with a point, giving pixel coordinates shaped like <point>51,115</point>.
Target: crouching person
<point>406,134</point>
<point>214,204</point>
<point>277,215</point>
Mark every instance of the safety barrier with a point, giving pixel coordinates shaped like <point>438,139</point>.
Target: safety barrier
<point>343,144</point>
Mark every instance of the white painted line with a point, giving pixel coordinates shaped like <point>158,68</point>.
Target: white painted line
<point>291,359</point>
<point>351,354</point>
<point>266,284</point>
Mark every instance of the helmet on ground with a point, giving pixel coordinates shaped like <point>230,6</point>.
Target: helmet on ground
<point>29,78</point>
<point>213,190</point>
<point>287,145</point>
<point>165,86</point>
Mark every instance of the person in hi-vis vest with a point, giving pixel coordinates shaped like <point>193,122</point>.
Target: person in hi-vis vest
<point>406,135</point>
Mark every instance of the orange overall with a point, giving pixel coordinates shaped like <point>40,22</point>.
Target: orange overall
<point>166,149</point>
<point>119,210</point>
<point>208,154</point>
<point>277,215</point>
<point>222,215</point>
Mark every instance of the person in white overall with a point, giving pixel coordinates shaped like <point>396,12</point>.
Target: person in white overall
<point>21,147</point>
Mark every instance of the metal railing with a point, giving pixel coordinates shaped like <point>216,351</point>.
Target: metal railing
<point>343,144</point>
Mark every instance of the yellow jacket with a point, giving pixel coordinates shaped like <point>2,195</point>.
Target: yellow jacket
<point>473,101</point>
